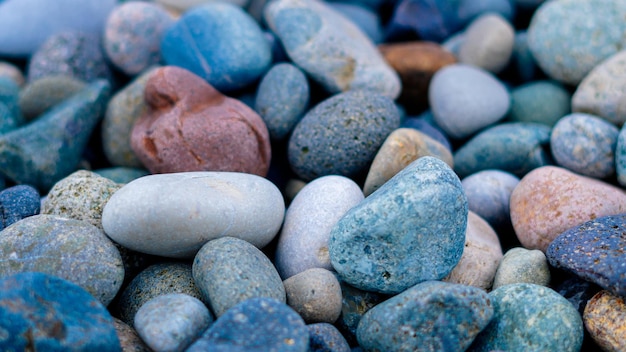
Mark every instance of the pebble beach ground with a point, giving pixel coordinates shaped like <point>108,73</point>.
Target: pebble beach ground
<point>308,175</point>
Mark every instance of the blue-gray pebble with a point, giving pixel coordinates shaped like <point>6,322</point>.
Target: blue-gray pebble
<point>411,229</point>
<point>46,92</point>
<point>522,60</point>
<point>620,157</point>
<point>364,18</point>
<point>324,337</point>
<point>594,251</point>
<point>355,304</point>
<point>9,98</point>
<point>341,135</point>
<point>282,98</point>
<point>530,317</point>
<point>430,316</point>
<point>488,193</point>
<point>540,101</point>
<point>585,144</point>
<point>41,312</point>
<point>256,324</point>
<point>18,202</point>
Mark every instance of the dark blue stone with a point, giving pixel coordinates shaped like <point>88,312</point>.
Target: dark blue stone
<point>594,251</point>
<point>17,203</point>
<point>433,20</point>
<point>578,292</point>
<point>40,312</point>
<point>325,337</point>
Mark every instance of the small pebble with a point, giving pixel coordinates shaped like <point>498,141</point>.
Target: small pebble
<point>18,202</point>
<point>315,294</point>
<point>11,71</point>
<point>521,265</point>
<point>488,43</point>
<point>605,319</point>
<point>129,340</point>
<point>42,94</point>
<point>488,194</point>
<point>325,337</point>
<point>540,102</point>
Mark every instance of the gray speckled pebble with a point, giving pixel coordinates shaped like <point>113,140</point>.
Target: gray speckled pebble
<point>430,316</point>
<point>70,249</point>
<point>229,270</point>
<point>521,265</point>
<point>488,43</point>
<point>324,337</point>
<point>410,230</point>
<point>46,92</point>
<point>488,194</point>
<point>530,317</point>
<point>170,323</point>
<point>18,202</point>
<point>315,294</point>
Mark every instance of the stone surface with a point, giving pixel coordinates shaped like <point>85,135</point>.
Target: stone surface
<point>594,251</point>
<point>540,102</point>
<point>184,5</point>
<point>620,157</point>
<point>341,135</point>
<point>325,337</point>
<point>432,21</point>
<point>488,194</point>
<point>577,291</point>
<point>18,202</point>
<point>121,174</point>
<point>197,207</point>
<point>330,48</point>
<point>354,305</point>
<point>229,271</point>
<point>190,126</point>
<point>521,321</point>
<point>402,147</point>
<point>365,18</point>
<point>521,265</point>
<point>413,320</point>
<point>523,61</point>
<point>10,113</point>
<point>315,295</point>
<point>410,230</point>
<point>41,312</point>
<point>70,249</point>
<point>42,94</point>
<point>129,340</point>
<point>488,43</point>
<point>550,200</point>
<point>303,241</point>
<point>11,71</point>
<point>425,123</point>
<point>605,319</point>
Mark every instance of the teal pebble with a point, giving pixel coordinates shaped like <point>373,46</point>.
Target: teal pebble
<point>620,157</point>
<point>541,102</point>
<point>121,174</point>
<point>46,92</point>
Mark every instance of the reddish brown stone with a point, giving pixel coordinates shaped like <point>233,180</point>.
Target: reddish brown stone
<point>190,126</point>
<point>416,63</point>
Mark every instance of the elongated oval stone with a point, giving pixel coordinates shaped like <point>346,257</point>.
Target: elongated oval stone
<point>173,215</point>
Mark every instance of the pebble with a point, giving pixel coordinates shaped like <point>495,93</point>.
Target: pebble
<point>324,337</point>
<point>488,194</point>
<point>366,19</point>
<point>184,5</point>
<point>175,135</point>
<point>514,147</point>
<point>402,147</point>
<point>471,9</point>
<point>229,271</point>
<point>481,256</point>
<point>540,102</point>
<point>521,321</point>
<point>443,317</point>
<point>431,21</point>
<point>172,322</point>
<point>9,70</point>
<point>256,324</point>
<point>551,199</point>
<point>577,291</point>
<point>121,174</point>
<point>70,249</point>
<point>42,94</point>
<point>282,98</point>
<point>312,32</point>
<point>465,99</point>
<point>315,295</point>
<point>602,91</point>
<point>425,124</point>
<point>132,35</point>
<point>9,98</point>
<point>354,305</point>
<point>569,38</point>
<point>197,207</point>
<point>605,319</point>
<point>594,251</point>
<point>620,157</point>
<point>46,313</point>
<point>488,43</point>
<point>303,241</point>
<point>220,43</point>
<point>522,61</point>
<point>18,202</point>
<point>521,265</point>
<point>25,25</point>
<point>129,340</point>
<point>341,135</point>
<point>416,248</point>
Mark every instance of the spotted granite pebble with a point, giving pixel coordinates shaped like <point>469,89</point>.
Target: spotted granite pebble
<point>315,294</point>
<point>539,101</point>
<point>550,200</point>
<point>383,245</point>
<point>172,322</point>
<point>42,94</point>
<point>324,337</point>
<point>18,202</point>
<point>605,319</point>
<point>488,43</point>
<point>488,194</point>
<point>413,320</point>
<point>522,321</point>
<point>521,265</point>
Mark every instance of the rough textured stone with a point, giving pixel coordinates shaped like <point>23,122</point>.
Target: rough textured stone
<point>354,305</point>
<point>521,265</point>
<point>315,294</point>
<point>488,43</point>
<point>605,319</point>
<point>18,202</point>
<point>42,94</point>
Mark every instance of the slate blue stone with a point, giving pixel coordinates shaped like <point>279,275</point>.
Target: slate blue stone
<point>282,98</point>
<point>620,157</point>
<point>594,251</point>
<point>431,20</point>
<point>488,194</point>
<point>220,43</point>
<point>423,125</point>
<point>578,292</point>
<point>529,317</point>
<point>430,316</point>
<point>40,312</point>
<point>324,337</point>
<point>341,135</point>
<point>256,324</point>
<point>366,19</point>
<point>17,203</point>
<point>411,229</point>
<point>48,149</point>
<point>515,147</point>
<point>540,101</point>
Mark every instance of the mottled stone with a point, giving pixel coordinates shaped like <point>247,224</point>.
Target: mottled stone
<point>402,147</point>
<point>605,319</point>
<point>229,271</point>
<point>11,71</point>
<point>550,200</point>
<point>18,202</point>
<point>190,126</point>
<point>303,241</point>
<point>354,305</point>
<point>330,48</point>
<point>488,194</point>
<point>488,43</point>
<point>413,320</point>
<point>324,337</point>
<point>42,94</point>
<point>315,294</point>
<point>383,245</point>
<point>129,340</point>
<point>341,135</point>
<point>521,265</point>
<point>540,102</point>
<point>41,312</point>
<point>521,321</point>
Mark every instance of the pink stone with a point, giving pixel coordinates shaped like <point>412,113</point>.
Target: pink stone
<point>190,126</point>
<point>550,200</point>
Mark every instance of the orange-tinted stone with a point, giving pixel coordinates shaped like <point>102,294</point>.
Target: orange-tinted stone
<point>605,319</point>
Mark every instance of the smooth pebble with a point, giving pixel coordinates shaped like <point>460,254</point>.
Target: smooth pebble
<point>488,43</point>
<point>540,102</point>
<point>521,265</point>
<point>488,194</point>
<point>315,294</point>
<point>42,94</point>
